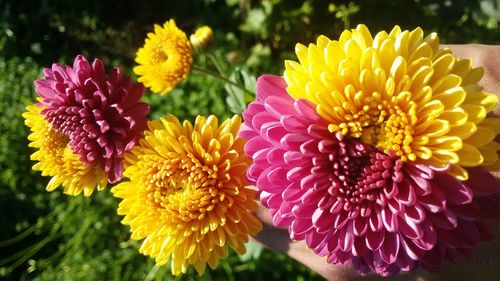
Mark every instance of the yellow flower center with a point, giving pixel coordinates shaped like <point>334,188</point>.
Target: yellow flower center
<point>158,55</point>
<point>183,187</point>
<point>381,123</point>
<point>55,145</point>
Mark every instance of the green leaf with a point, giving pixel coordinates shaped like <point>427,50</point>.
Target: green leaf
<point>237,99</point>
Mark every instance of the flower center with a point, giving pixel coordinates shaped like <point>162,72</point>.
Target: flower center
<point>359,173</point>
<point>55,143</point>
<point>183,187</point>
<point>385,125</point>
<point>158,55</point>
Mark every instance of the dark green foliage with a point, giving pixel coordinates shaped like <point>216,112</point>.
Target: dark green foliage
<point>49,236</point>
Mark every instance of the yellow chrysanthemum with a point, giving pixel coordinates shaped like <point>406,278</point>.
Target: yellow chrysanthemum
<point>401,92</point>
<point>57,160</point>
<point>201,37</point>
<point>165,59</point>
<point>188,195</point>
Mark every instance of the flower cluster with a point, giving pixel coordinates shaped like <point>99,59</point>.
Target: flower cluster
<point>188,195</point>
<point>376,151</point>
<point>84,123</point>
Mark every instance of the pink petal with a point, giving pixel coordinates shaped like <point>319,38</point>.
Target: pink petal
<point>374,240</point>
<point>268,85</point>
<point>390,248</point>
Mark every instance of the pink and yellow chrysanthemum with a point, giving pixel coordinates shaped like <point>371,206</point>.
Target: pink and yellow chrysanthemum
<point>375,151</point>
<point>188,196</point>
<point>57,160</point>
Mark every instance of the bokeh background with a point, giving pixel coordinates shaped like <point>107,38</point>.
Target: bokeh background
<point>49,236</point>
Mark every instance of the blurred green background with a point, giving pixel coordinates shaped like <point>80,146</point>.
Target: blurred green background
<point>49,236</point>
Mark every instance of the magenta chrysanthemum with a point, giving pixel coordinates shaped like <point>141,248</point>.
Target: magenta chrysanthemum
<point>101,115</point>
<point>350,201</point>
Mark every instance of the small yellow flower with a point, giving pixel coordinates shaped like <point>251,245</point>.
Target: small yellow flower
<point>57,160</point>
<point>165,59</point>
<point>400,92</point>
<point>201,37</point>
<point>188,195</point>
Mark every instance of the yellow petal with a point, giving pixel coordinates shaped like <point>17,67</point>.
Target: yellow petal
<point>463,131</point>
<point>469,156</point>
<point>452,97</point>
<point>458,172</point>
<point>481,137</point>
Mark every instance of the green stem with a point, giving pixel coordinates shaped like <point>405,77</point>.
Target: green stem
<point>27,253</point>
<point>27,231</point>
<point>33,251</point>
<point>219,77</point>
<point>216,63</point>
<point>152,273</point>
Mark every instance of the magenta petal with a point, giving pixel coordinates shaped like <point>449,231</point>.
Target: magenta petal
<point>280,220</point>
<point>266,185</point>
<point>273,201</point>
<point>255,145</point>
<point>269,85</point>
<point>434,202</point>
<point>277,177</point>
<point>305,108</point>
<point>294,124</point>
<point>470,234</point>
<point>412,250</point>
<point>246,133</point>
<point>390,220</point>
<point>260,120</point>
<point>346,238</point>
<point>249,114</point>
<point>359,247</point>
<point>360,225</point>
<point>294,158</point>
<point>390,248</point>
<point>455,191</point>
<point>314,240</point>
<point>292,193</point>
<point>321,218</point>
<point>449,238</point>
<point>300,227</point>
<point>410,229</point>
<point>374,240</point>
<point>274,133</point>
<point>444,220</point>
<point>293,141</point>
<point>406,194</point>
<point>429,239</point>
<point>276,156</point>
<point>482,182</point>
<point>375,221</point>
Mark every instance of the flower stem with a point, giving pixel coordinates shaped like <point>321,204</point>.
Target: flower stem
<point>219,77</point>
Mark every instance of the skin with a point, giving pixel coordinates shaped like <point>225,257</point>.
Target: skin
<point>485,263</point>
